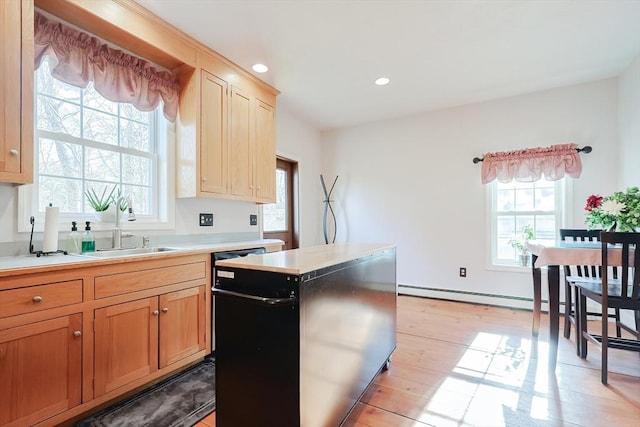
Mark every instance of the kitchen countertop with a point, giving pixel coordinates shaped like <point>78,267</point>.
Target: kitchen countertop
<point>304,260</point>
<point>10,266</point>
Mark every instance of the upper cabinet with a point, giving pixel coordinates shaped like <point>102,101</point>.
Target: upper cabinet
<point>226,134</point>
<point>16,91</point>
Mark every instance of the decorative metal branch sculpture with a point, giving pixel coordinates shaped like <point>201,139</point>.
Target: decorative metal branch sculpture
<point>327,209</point>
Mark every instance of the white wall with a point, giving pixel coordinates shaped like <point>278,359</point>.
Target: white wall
<point>629,123</point>
<point>412,182</point>
<point>300,142</point>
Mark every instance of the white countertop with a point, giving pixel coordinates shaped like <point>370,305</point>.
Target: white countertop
<point>31,263</point>
<point>304,260</point>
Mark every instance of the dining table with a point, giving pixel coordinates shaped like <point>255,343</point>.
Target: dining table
<point>552,256</point>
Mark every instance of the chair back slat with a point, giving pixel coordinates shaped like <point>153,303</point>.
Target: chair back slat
<point>628,244</point>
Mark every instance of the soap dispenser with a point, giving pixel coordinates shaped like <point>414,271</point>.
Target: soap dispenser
<point>74,240</point>
<point>88,243</point>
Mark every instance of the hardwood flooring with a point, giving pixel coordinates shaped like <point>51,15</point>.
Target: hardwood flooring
<point>460,364</point>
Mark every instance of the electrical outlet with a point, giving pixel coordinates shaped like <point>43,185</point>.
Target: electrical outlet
<point>463,272</point>
<point>253,219</point>
<point>206,220</point>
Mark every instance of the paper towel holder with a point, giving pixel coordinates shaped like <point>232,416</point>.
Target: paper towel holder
<point>38,254</point>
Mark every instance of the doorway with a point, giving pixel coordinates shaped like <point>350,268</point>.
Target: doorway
<point>279,219</point>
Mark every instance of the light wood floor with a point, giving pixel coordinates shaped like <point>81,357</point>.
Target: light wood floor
<point>461,364</point>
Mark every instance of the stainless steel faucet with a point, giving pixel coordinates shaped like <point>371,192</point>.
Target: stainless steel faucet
<point>117,231</point>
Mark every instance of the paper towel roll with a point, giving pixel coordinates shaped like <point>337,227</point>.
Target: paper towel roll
<point>50,241</point>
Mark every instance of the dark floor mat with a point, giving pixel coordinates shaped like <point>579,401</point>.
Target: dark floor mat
<point>179,401</point>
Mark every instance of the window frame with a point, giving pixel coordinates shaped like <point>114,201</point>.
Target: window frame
<point>563,196</point>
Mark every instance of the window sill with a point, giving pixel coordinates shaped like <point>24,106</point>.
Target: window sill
<point>511,268</point>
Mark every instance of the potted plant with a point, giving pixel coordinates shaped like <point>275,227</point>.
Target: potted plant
<point>520,244</point>
<point>102,202</point>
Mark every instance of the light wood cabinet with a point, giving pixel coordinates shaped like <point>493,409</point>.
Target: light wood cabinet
<point>126,344</point>
<point>135,339</point>
<point>232,153</point>
<point>16,91</point>
<point>40,370</point>
<point>75,338</point>
<point>182,324</point>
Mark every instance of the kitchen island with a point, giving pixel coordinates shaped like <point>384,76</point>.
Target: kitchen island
<point>300,334</point>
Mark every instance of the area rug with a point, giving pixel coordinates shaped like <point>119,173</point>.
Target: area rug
<point>179,401</point>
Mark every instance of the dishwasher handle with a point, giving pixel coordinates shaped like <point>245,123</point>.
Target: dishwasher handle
<point>280,302</point>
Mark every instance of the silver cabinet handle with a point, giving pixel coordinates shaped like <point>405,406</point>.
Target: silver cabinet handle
<point>14,152</point>
<point>156,312</point>
<point>165,309</point>
<point>37,298</point>
<point>77,334</point>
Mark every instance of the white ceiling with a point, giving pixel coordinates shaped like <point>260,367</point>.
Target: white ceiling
<point>324,55</point>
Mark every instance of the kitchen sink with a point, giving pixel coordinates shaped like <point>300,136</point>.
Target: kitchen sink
<point>118,253</point>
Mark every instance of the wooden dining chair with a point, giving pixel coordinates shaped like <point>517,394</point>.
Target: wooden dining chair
<point>573,273</point>
<point>621,293</point>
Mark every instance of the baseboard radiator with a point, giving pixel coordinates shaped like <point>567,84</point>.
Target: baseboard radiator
<point>507,301</point>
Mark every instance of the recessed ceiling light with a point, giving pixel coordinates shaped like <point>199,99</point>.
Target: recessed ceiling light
<point>260,68</point>
<point>382,81</point>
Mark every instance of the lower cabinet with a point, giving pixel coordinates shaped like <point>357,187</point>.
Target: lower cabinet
<point>40,370</point>
<point>135,339</point>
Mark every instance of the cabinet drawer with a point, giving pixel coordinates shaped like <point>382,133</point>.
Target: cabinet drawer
<point>41,297</point>
<point>132,281</point>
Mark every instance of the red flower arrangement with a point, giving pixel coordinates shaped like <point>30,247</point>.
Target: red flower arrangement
<point>594,201</point>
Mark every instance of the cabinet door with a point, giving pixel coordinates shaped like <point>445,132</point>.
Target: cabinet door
<point>265,150</point>
<point>241,145</point>
<point>182,324</point>
<point>126,343</point>
<point>16,91</point>
<point>40,369</point>
<point>213,134</point>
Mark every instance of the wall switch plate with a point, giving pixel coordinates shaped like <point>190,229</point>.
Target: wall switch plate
<point>463,272</point>
<point>206,220</point>
<point>253,219</point>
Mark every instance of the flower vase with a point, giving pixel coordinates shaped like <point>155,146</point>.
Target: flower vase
<point>613,227</point>
<point>524,259</point>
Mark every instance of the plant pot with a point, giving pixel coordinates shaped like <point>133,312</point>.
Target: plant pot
<point>106,216</point>
<point>524,259</point>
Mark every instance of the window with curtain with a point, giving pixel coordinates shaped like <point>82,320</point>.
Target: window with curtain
<point>101,122</point>
<point>86,142</point>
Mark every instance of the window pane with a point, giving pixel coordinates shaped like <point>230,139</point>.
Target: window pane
<point>60,158</point>
<point>94,100</point>
<point>275,214</point>
<point>58,116</point>
<point>100,127</point>
<point>524,199</point>
<point>102,165</point>
<point>130,112</point>
<point>134,135</point>
<point>506,227</point>
<point>546,227</point>
<point>545,199</point>
<point>140,198</point>
<point>62,192</point>
<point>505,201</point>
<point>136,170</point>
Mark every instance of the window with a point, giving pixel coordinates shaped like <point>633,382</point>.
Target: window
<point>539,204</point>
<point>84,141</point>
